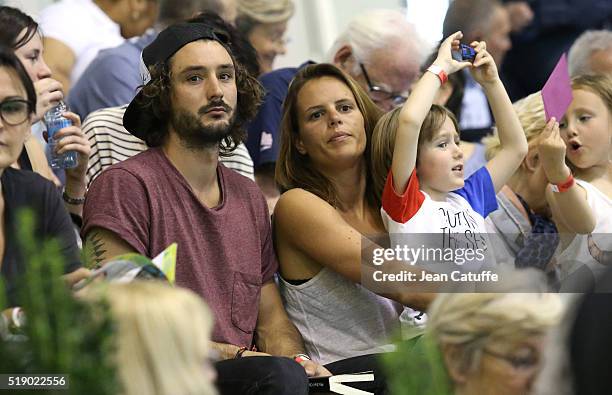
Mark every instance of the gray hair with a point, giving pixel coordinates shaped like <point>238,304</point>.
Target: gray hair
<point>378,29</point>
<point>469,16</point>
<point>580,53</point>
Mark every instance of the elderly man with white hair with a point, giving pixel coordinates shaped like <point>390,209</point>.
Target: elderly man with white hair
<point>591,53</point>
<point>380,49</point>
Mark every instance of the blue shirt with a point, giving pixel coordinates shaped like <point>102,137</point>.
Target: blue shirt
<point>111,79</point>
<point>263,140</point>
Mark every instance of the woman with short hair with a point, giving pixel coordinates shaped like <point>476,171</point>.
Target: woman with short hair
<point>491,343</point>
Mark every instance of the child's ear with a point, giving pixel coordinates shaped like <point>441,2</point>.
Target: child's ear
<point>532,160</point>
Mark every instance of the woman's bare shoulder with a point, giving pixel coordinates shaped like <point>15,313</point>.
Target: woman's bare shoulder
<point>300,200</point>
<point>298,208</point>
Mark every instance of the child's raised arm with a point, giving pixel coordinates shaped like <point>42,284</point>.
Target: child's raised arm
<point>511,135</point>
<point>570,208</point>
<point>416,108</point>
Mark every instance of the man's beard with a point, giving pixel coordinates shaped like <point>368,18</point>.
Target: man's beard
<point>194,134</point>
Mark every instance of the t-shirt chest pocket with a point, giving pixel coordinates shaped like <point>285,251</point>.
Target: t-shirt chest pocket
<point>245,300</point>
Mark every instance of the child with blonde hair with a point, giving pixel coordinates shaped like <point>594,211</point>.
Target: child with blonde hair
<point>582,207</point>
<point>526,232</point>
<point>425,191</point>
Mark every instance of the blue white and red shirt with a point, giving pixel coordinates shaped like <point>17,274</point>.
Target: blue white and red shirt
<point>459,219</point>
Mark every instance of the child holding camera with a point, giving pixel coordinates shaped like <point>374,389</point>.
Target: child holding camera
<point>425,191</point>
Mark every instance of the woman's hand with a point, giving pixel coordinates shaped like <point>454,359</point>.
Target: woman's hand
<point>445,56</point>
<point>483,68</point>
<point>48,94</point>
<point>313,369</point>
<point>72,138</point>
<point>551,150</point>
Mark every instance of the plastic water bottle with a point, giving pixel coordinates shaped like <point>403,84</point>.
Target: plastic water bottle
<point>55,120</point>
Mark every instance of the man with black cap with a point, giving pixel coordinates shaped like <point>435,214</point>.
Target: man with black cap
<point>195,96</point>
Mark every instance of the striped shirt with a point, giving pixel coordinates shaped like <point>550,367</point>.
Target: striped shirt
<point>111,143</point>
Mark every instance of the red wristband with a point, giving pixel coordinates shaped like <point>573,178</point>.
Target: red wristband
<point>437,70</point>
<point>565,185</point>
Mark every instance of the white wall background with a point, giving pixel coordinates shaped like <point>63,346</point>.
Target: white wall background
<point>316,23</point>
<point>30,7</point>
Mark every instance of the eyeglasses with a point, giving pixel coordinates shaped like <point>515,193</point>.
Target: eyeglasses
<point>15,111</point>
<point>519,363</point>
<point>379,94</point>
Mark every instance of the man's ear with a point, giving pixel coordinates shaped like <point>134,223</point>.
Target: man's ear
<point>532,160</point>
<point>343,58</point>
<point>452,359</point>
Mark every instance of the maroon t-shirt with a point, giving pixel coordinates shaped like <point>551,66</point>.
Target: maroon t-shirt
<point>225,254</point>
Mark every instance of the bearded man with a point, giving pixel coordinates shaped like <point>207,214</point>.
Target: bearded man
<point>195,96</point>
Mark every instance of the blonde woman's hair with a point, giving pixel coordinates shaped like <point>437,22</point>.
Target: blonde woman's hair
<point>530,111</point>
<point>383,140</point>
<point>162,340</point>
<point>471,321</point>
<point>295,170</point>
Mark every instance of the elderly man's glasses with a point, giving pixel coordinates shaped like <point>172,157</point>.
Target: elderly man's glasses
<point>15,111</point>
<point>379,94</point>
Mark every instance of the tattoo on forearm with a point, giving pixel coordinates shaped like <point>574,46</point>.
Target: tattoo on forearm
<point>96,248</point>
